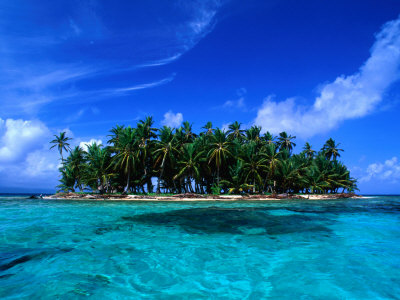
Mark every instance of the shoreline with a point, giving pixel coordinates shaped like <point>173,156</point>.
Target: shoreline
<point>195,197</point>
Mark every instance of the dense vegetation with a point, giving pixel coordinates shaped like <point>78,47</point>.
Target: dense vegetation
<point>215,161</point>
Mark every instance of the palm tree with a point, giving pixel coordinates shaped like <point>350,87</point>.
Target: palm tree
<point>164,152</point>
<point>67,181</point>
<point>146,135</point>
<point>308,151</point>
<point>188,133</point>
<point>285,141</point>
<point>268,138</point>
<point>189,165</point>
<point>235,132</point>
<point>208,128</point>
<point>126,157</point>
<point>331,149</point>
<point>219,150</point>
<point>253,134</point>
<point>253,164</point>
<point>182,161</point>
<point>273,159</point>
<point>61,141</point>
<point>115,134</point>
<point>97,173</point>
<point>234,183</point>
<point>76,162</point>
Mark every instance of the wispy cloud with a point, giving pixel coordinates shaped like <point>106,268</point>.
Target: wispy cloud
<point>388,171</point>
<point>347,97</point>
<point>35,63</point>
<point>239,103</point>
<point>143,85</point>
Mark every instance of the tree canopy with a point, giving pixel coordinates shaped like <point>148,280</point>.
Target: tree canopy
<point>181,161</point>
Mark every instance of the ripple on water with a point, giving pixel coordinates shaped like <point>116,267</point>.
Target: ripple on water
<point>285,250</point>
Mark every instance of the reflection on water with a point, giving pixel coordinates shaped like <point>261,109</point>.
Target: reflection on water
<point>240,250</point>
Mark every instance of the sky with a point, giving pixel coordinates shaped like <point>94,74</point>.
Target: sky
<point>316,69</point>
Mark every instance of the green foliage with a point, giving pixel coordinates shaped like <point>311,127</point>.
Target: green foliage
<point>218,162</point>
<point>215,189</point>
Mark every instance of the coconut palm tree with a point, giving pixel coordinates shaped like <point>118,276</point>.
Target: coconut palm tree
<point>219,150</point>
<point>234,184</point>
<point>76,163</point>
<point>308,151</point>
<point>189,165</point>
<point>164,152</point>
<point>146,134</point>
<point>253,134</point>
<point>188,133</point>
<point>208,128</point>
<point>268,138</point>
<point>254,164</point>
<point>285,141</point>
<point>235,132</point>
<point>97,173</point>
<point>61,142</point>
<point>331,149</point>
<point>237,161</point>
<point>126,157</point>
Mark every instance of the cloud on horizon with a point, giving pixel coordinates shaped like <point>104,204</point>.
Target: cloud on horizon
<point>388,171</point>
<point>347,97</point>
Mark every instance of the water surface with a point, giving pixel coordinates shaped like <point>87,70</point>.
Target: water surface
<point>339,249</point>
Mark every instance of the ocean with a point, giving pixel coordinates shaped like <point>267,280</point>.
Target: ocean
<point>297,249</point>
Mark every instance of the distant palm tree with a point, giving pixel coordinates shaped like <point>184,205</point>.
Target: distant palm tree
<point>219,150</point>
<point>285,141</point>
<point>235,132</point>
<point>189,135</point>
<point>126,157</point>
<point>189,165</point>
<point>208,128</point>
<point>61,142</point>
<point>308,151</point>
<point>254,164</point>
<point>164,152</point>
<point>76,162</point>
<point>268,138</point>
<point>331,149</point>
<point>181,161</point>
<point>253,134</point>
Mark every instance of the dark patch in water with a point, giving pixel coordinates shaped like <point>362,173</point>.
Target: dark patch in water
<point>232,220</point>
<point>10,259</point>
<point>346,207</point>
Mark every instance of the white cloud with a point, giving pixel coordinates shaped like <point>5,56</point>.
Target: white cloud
<point>237,104</point>
<point>388,171</point>
<point>84,145</point>
<point>25,157</point>
<point>20,137</point>
<point>172,120</point>
<point>345,98</point>
<point>144,85</point>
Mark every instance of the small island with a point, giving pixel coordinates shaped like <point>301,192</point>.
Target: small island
<point>148,163</point>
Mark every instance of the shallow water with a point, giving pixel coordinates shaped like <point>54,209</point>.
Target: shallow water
<point>341,249</point>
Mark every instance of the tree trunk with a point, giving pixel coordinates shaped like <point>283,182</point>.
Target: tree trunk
<point>161,174</point>
<point>218,176</point>
<point>127,182</point>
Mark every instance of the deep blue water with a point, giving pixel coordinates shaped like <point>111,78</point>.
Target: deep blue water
<point>342,249</point>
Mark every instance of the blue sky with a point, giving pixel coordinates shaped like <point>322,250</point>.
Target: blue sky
<point>316,69</point>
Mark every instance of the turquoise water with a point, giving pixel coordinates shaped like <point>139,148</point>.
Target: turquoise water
<point>342,249</point>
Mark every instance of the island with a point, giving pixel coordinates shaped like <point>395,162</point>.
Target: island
<point>148,163</point>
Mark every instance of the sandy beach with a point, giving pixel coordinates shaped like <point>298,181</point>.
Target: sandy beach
<point>196,197</point>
